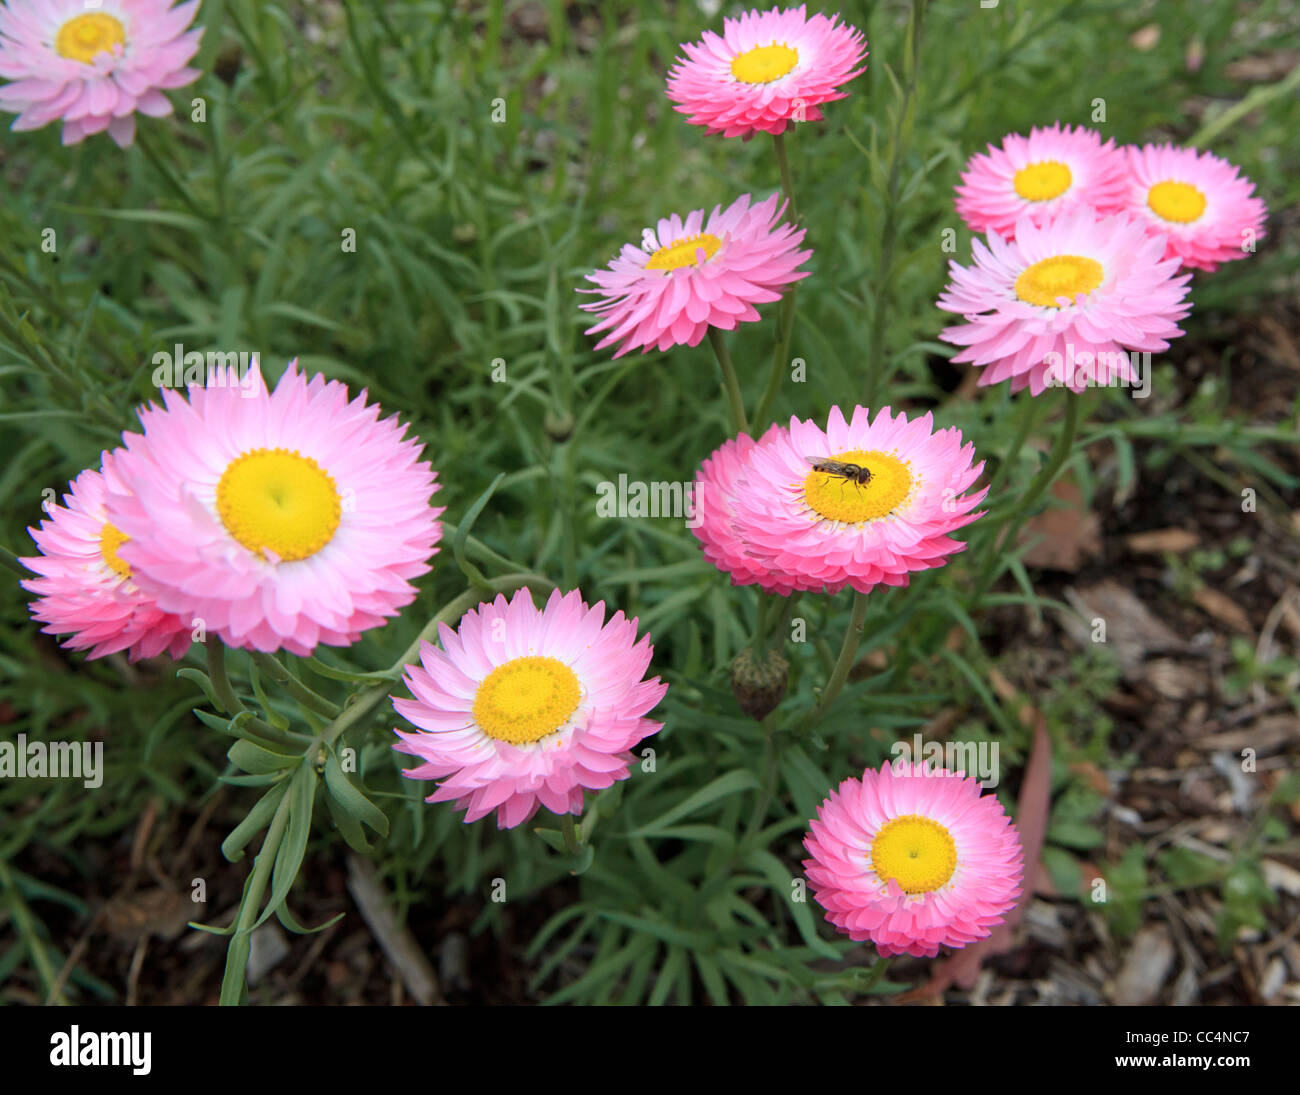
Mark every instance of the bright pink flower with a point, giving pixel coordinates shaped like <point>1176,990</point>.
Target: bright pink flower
<point>85,588</point>
<point>1201,206</point>
<point>695,274</point>
<point>523,708</point>
<point>766,70</point>
<point>1065,302</point>
<point>281,520</point>
<point>721,475</point>
<point>913,859</point>
<point>94,65</point>
<point>1039,177</point>
<point>766,515</point>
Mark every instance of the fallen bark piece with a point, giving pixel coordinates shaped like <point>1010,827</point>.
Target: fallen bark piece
<point>1160,540</point>
<point>1224,609</point>
<point>398,944</point>
<point>1145,968</point>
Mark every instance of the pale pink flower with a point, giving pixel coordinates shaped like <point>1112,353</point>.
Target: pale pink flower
<point>913,859</point>
<point>280,520</point>
<point>766,70</point>
<point>85,588</point>
<point>1200,205</point>
<point>522,708</point>
<point>1039,177</point>
<point>1065,302</point>
<point>94,66</point>
<point>693,274</point>
<point>767,516</point>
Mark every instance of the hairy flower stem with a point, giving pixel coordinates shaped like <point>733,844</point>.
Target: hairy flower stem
<point>729,382</point>
<point>221,686</point>
<point>758,644</point>
<point>786,322</point>
<point>844,663</point>
<point>766,784</point>
<point>232,982</point>
<point>1028,416</point>
<point>1005,535</point>
<point>877,374</point>
<point>783,162</point>
<point>569,829</point>
<point>780,356</point>
<point>308,697</point>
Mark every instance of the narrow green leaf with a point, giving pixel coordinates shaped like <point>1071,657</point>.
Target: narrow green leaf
<point>258,817</point>
<point>351,799</point>
<point>730,784</point>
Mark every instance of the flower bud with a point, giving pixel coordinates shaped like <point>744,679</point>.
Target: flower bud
<point>759,683</point>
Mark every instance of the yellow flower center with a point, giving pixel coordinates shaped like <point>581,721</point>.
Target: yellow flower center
<point>1041,182</point>
<point>526,699</point>
<point>277,500</point>
<point>684,252</point>
<point>838,498</point>
<point>1179,202</point>
<point>110,539</point>
<point>84,37</point>
<point>916,852</point>
<point>763,64</point>
<point>1059,276</point>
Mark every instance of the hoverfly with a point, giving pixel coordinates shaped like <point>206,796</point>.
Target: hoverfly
<point>852,473</point>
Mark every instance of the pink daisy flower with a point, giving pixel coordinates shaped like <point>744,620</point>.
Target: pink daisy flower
<point>913,859</point>
<point>719,478</point>
<point>696,274</point>
<point>861,503</point>
<point>522,708</point>
<point>1065,302</point>
<point>1201,206</point>
<point>1040,176</point>
<point>766,70</point>
<point>281,520</point>
<point>94,64</point>
<point>85,589</point>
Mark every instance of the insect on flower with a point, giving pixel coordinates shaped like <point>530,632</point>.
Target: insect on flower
<point>852,473</point>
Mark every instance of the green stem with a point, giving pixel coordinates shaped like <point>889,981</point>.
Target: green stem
<point>786,324</point>
<point>569,539</point>
<point>844,663</point>
<point>780,359</point>
<point>729,382</point>
<point>783,621</point>
<point>758,643</point>
<point>1028,416</point>
<point>144,142</point>
<point>766,787</point>
<point>10,562</point>
<point>882,294</point>
<point>783,162</point>
<point>232,981</point>
<point>1014,520</point>
<point>569,829</point>
<point>230,703</point>
<point>306,696</point>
